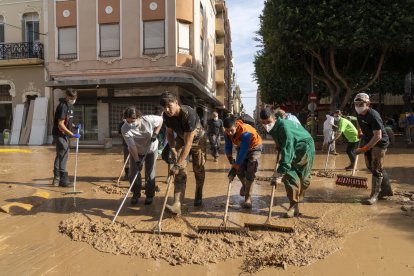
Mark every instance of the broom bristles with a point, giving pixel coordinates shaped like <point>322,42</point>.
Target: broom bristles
<point>352,181</point>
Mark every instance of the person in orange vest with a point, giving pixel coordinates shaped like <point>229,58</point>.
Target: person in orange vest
<point>249,148</point>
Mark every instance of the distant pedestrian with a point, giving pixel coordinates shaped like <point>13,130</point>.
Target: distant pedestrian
<point>62,131</point>
<point>214,127</point>
<point>328,134</point>
<point>409,127</point>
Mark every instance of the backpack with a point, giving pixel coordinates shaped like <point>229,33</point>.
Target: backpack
<point>247,119</point>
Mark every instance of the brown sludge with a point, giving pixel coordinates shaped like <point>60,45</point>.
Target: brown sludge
<point>324,173</point>
<point>311,241</point>
<point>112,190</point>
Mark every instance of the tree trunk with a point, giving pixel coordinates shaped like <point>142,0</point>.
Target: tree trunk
<point>346,99</point>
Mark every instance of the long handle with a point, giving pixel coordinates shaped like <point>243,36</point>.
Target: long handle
<point>327,157</point>
<point>226,210</point>
<point>167,192</point>
<point>356,160</point>
<point>76,162</point>
<point>269,216</point>
<point>125,197</point>
<point>123,168</point>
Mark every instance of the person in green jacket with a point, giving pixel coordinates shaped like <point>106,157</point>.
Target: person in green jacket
<point>350,132</point>
<point>297,152</point>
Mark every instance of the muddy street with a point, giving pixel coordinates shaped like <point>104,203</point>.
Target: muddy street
<point>72,234</point>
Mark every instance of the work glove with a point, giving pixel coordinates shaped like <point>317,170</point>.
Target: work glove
<point>175,169</point>
<point>232,174</point>
<point>76,135</point>
<point>154,137</point>
<point>276,179</point>
<point>363,149</point>
<point>231,159</point>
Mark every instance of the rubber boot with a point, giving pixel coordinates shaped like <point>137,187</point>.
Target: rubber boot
<point>198,198</point>
<point>247,204</point>
<point>293,197</point>
<point>64,180</point>
<point>375,190</point>
<point>56,178</point>
<point>175,208</point>
<point>126,176</point>
<point>386,189</point>
<point>243,187</point>
<point>135,197</point>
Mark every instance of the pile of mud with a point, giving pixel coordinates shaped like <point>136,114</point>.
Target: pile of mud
<point>312,240</point>
<point>112,190</point>
<point>324,173</point>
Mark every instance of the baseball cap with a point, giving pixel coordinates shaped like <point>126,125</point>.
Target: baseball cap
<point>361,97</point>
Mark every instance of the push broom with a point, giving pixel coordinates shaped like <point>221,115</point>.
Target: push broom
<point>223,228</point>
<point>352,180</point>
<point>267,226</point>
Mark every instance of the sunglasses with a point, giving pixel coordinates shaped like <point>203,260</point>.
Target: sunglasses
<point>359,104</point>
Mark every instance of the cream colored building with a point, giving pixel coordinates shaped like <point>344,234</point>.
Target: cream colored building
<point>22,72</point>
<point>122,52</point>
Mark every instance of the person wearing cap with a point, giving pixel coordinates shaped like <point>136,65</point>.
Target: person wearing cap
<point>347,128</point>
<point>140,133</point>
<point>249,149</point>
<point>374,144</point>
<point>62,131</point>
<point>297,153</point>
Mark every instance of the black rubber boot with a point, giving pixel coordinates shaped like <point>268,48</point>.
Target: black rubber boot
<point>56,178</point>
<point>126,176</point>
<point>375,190</point>
<point>243,187</point>
<point>247,204</point>
<point>198,198</point>
<point>135,197</point>
<point>64,180</point>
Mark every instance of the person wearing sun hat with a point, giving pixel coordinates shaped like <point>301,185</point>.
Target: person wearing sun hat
<point>374,145</point>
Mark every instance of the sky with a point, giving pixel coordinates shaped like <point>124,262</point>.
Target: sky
<point>244,23</point>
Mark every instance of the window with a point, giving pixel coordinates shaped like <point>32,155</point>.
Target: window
<point>183,38</point>
<point>67,43</point>
<point>30,27</point>
<point>201,9</point>
<point>202,51</point>
<point>154,40</point>
<point>211,67</point>
<point>1,29</point>
<point>109,40</point>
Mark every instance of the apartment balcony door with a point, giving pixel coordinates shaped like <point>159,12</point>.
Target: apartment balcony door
<point>6,110</point>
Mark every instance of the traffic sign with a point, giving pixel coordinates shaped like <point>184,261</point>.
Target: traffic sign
<point>312,97</point>
<point>312,107</point>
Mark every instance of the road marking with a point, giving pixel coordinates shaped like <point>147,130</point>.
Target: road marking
<point>15,151</point>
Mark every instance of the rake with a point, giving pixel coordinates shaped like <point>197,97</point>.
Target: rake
<point>122,171</point>
<point>352,180</point>
<point>223,228</point>
<point>267,226</point>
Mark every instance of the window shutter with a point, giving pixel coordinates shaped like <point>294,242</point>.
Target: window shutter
<point>154,35</point>
<point>1,32</point>
<point>183,38</point>
<point>36,31</point>
<point>67,41</point>
<point>109,37</point>
<point>24,38</point>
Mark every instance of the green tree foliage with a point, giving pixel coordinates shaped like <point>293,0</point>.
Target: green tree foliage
<point>347,42</point>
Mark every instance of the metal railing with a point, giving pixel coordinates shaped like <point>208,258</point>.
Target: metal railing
<point>110,53</point>
<point>21,50</point>
<point>154,51</point>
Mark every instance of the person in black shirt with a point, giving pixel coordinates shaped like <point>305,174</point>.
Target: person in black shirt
<point>184,121</point>
<point>214,127</point>
<point>62,131</point>
<point>374,146</point>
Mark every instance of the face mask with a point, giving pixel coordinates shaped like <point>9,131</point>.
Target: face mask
<point>215,118</point>
<point>269,127</point>
<point>72,102</point>
<point>336,119</point>
<point>134,124</point>
<point>360,109</point>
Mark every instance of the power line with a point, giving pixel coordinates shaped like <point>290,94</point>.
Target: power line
<point>20,28</point>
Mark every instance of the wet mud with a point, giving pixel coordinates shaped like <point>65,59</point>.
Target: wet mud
<point>111,189</point>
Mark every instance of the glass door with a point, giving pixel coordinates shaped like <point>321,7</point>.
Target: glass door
<point>87,115</point>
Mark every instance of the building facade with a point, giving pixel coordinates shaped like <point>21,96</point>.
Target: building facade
<point>118,53</point>
<point>22,71</point>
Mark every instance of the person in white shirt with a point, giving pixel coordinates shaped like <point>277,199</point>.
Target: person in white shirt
<point>328,133</point>
<point>140,134</point>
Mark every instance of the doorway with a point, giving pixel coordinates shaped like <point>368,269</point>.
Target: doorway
<point>87,115</point>
<point>6,110</point>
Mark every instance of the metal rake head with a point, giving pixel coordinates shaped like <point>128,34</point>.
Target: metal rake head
<point>222,230</point>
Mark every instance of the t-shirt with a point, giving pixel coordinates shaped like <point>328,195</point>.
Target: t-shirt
<point>64,111</point>
<point>140,136</point>
<point>348,129</point>
<point>370,122</point>
<point>214,126</point>
<point>327,125</point>
<point>186,121</point>
<point>292,118</point>
<point>410,120</point>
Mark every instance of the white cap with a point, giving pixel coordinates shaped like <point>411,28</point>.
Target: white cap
<point>361,97</point>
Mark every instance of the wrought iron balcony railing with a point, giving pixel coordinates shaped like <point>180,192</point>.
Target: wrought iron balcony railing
<point>21,50</point>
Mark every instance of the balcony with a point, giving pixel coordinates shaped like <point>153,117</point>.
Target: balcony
<point>220,26</point>
<point>220,76</point>
<point>219,51</point>
<point>220,6</point>
<point>23,53</point>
